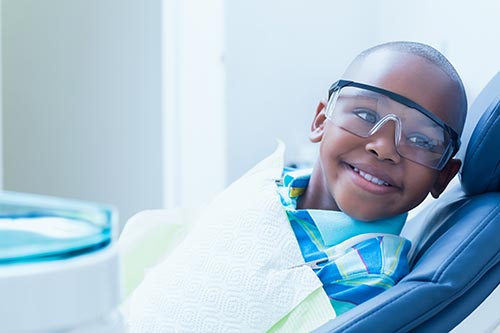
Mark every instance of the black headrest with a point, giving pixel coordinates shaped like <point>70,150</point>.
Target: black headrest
<point>481,165</point>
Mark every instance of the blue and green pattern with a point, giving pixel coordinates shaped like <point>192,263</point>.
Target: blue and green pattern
<point>364,270</point>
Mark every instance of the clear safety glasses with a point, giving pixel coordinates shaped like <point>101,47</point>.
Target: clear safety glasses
<point>419,135</point>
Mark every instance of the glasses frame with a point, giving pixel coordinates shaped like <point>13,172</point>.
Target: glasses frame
<point>336,86</point>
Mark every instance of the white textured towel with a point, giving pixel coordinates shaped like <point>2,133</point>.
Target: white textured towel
<point>232,273</point>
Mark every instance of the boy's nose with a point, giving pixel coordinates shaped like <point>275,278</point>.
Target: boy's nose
<point>382,142</point>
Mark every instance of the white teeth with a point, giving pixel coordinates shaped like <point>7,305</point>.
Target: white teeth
<point>370,178</point>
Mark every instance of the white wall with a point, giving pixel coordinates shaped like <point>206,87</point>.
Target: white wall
<point>194,101</point>
<point>82,100</point>
<point>115,101</point>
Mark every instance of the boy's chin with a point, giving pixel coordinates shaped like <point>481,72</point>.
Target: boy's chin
<point>368,216</point>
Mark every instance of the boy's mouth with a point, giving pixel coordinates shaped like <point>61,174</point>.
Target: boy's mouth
<point>372,178</point>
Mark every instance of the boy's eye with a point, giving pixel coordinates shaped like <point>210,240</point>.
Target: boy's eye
<point>367,115</point>
<point>421,141</point>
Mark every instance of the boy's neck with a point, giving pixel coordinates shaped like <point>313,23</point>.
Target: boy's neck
<point>317,195</point>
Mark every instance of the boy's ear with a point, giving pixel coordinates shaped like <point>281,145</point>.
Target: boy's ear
<point>318,124</point>
<point>445,176</point>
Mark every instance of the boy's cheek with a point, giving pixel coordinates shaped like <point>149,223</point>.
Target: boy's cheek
<point>418,185</point>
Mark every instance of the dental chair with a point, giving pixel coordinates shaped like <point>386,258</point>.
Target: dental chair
<point>455,256</point>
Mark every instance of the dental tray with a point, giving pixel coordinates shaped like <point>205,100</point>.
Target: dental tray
<point>36,228</point>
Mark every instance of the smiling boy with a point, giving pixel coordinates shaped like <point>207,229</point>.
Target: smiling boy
<point>417,72</point>
<point>387,135</point>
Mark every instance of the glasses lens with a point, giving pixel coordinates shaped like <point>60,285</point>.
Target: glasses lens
<point>362,112</point>
<point>424,141</point>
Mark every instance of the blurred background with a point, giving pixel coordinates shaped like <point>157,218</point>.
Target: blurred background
<point>148,103</point>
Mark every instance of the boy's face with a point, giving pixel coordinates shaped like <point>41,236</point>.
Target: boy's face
<point>347,161</point>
